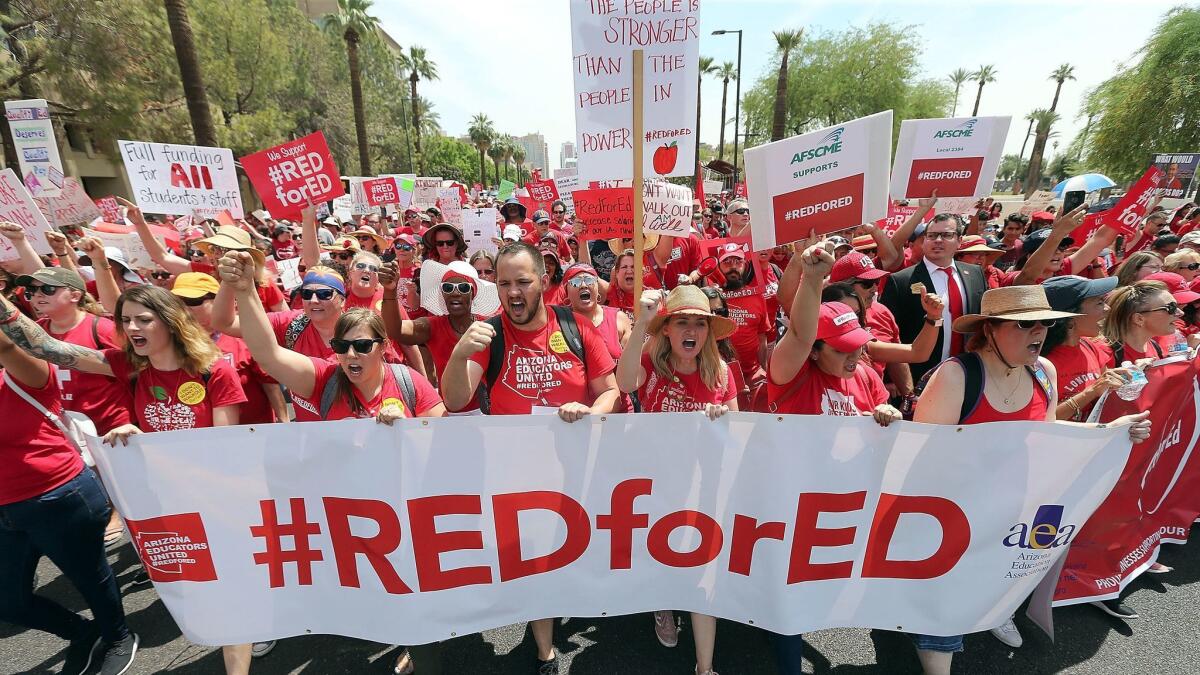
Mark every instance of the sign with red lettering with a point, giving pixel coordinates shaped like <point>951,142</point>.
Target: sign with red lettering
<point>612,530</point>
<point>897,215</point>
<point>71,206</point>
<point>828,180</point>
<point>544,191</point>
<point>289,176</point>
<point>604,213</point>
<point>181,180</point>
<point>380,191</point>
<point>18,207</point>
<point>111,209</point>
<point>956,156</point>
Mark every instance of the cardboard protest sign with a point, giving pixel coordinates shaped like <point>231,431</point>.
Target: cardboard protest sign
<point>826,180</point>
<point>668,208</point>
<point>380,191</point>
<point>544,191</point>
<point>740,190</point>
<point>18,207</point>
<point>343,207</point>
<point>603,35</point>
<point>425,192</point>
<point>450,202</point>
<point>289,176</point>
<point>567,182</point>
<point>956,205</point>
<point>289,273</point>
<point>479,228</point>
<point>605,213</point>
<point>713,187</point>
<point>181,180</point>
<point>956,156</point>
<point>37,148</point>
<point>129,243</point>
<point>505,190</point>
<point>359,202</point>
<point>897,215</point>
<point>110,207</point>
<point>1038,201</point>
<point>1178,173</point>
<point>71,206</point>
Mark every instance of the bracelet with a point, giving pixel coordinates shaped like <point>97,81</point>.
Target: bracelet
<point>1074,406</point>
<point>389,298</point>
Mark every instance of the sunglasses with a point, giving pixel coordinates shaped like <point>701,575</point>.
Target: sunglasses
<point>696,218</point>
<point>461,287</point>
<point>342,256</point>
<point>721,311</point>
<point>864,283</point>
<point>364,238</point>
<point>403,247</point>
<point>1029,324</point>
<point>445,243</point>
<point>581,281</point>
<point>741,212</point>
<point>1192,266</point>
<point>161,275</point>
<point>361,346</point>
<point>366,267</point>
<point>195,253</point>
<point>31,291</point>
<point>486,273</point>
<point>559,213</point>
<point>319,293</point>
<point>1170,308</point>
<point>196,302</point>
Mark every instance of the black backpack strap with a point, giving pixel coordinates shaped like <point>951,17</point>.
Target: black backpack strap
<point>408,390</point>
<point>973,387</point>
<point>495,352</point>
<point>327,395</point>
<point>570,331</point>
<point>96,333</point>
<point>1157,348</point>
<point>1118,351</point>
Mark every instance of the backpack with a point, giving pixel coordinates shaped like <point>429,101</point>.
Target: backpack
<point>972,367</point>
<point>294,328</point>
<point>408,391</point>
<point>570,332</point>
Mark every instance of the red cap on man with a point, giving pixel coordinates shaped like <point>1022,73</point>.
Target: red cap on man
<point>731,250</point>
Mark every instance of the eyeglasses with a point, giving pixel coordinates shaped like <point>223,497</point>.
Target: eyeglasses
<point>581,280</point>
<point>31,291</point>
<point>361,346</point>
<point>196,302</point>
<point>696,218</point>
<point>1192,266</point>
<point>946,236</point>
<point>461,287</point>
<point>445,243</point>
<point>1028,324</point>
<point>1171,308</point>
<point>195,253</point>
<point>161,275</point>
<point>741,212</point>
<point>403,247</point>
<point>363,238</point>
<point>366,267</point>
<point>320,293</point>
<point>348,255</point>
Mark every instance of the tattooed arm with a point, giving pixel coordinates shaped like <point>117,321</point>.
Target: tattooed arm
<point>30,337</point>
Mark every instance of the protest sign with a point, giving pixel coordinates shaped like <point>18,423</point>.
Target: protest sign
<point>1127,215</point>
<point>380,191</point>
<point>1038,201</point>
<point>129,243</point>
<point>479,228</point>
<point>610,530</point>
<point>1179,170</point>
<point>956,156</point>
<point>827,180</point>
<point>71,206</point>
<point>566,181</point>
<point>713,188</point>
<point>505,190</point>
<point>604,213</point>
<point>544,191</point>
<point>36,147</point>
<point>450,202</point>
<point>360,203</point>
<point>668,208</point>
<point>289,273</point>
<point>603,35</point>
<point>343,208</point>
<point>405,182</point>
<point>111,209</point>
<point>18,207</point>
<point>425,192</point>
<point>1157,497</point>
<point>289,176</point>
<point>896,217</point>
<point>181,179</point>
<point>956,205</point>
<point>740,190</point>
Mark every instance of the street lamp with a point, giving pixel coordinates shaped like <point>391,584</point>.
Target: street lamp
<point>737,101</point>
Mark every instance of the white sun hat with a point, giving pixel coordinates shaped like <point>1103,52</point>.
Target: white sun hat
<point>485,303</point>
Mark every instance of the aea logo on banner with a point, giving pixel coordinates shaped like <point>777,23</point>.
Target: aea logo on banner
<point>1045,531</point>
<point>174,548</point>
<point>963,130</point>
<point>830,144</point>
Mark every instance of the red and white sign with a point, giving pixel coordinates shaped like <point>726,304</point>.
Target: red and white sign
<point>181,179</point>
<point>827,180</point>
<point>111,209</point>
<point>18,207</point>
<point>1127,215</point>
<point>288,177</point>
<point>380,191</point>
<point>542,191</point>
<point>957,156</point>
<point>897,215</point>
<point>586,519</point>
<point>71,206</point>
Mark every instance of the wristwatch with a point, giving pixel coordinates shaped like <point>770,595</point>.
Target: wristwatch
<point>932,322</point>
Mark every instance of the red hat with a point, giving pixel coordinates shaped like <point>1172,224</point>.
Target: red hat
<point>577,269</point>
<point>731,250</point>
<point>1177,286</point>
<point>864,243</point>
<point>838,326</point>
<point>855,265</point>
<point>1042,215</point>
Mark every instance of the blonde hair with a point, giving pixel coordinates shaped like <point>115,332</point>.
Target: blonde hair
<point>366,256</point>
<point>1127,271</point>
<point>712,369</point>
<point>1178,259</point>
<point>1123,303</point>
<point>193,345</point>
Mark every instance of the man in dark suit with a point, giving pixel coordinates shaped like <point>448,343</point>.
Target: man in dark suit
<point>960,283</point>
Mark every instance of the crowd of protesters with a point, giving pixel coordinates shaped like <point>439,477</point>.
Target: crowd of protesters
<point>395,316</point>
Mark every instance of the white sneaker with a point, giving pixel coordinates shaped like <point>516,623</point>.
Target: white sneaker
<point>1008,634</point>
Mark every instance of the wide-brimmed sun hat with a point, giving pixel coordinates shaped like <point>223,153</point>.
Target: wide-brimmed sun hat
<point>1013,303</point>
<point>649,241</point>
<point>690,299</point>
<point>485,303</point>
<point>231,238</point>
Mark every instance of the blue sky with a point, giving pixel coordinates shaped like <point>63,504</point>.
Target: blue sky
<point>513,60</point>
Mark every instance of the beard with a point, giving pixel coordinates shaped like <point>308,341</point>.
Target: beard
<point>734,281</point>
<point>531,310</point>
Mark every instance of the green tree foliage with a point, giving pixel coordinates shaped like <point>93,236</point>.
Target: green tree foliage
<point>451,159</point>
<point>1152,105</point>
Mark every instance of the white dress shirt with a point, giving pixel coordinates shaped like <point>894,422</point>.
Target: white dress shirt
<point>940,287</point>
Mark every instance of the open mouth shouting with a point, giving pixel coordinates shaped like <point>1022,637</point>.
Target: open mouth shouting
<point>354,370</point>
<point>139,343</point>
<point>1035,348</point>
<point>689,343</point>
<point>585,295</point>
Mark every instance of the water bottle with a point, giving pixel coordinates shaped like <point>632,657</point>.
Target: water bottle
<point>1133,388</point>
<point>1180,345</point>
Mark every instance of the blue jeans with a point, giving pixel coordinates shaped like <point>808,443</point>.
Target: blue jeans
<point>789,653</point>
<point>66,525</point>
<point>938,643</point>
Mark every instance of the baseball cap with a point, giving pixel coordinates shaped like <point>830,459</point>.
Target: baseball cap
<point>512,233</point>
<point>1177,286</point>
<point>195,285</point>
<point>54,276</point>
<point>1045,216</point>
<point>838,327</point>
<point>1065,293</point>
<point>731,250</point>
<point>541,217</point>
<point>1190,238</point>
<point>854,265</point>
<point>577,269</point>
<point>838,242</point>
<point>1034,240</point>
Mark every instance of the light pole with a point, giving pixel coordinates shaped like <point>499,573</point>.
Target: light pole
<point>737,101</point>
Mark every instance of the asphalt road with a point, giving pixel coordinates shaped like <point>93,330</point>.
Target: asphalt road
<point>1163,641</point>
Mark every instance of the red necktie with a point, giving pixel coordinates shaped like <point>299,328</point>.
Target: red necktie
<point>956,310</point>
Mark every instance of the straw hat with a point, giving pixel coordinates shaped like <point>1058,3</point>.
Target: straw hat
<point>231,238</point>
<point>649,241</point>
<point>1013,303</point>
<point>690,299</point>
<point>977,244</point>
<point>343,243</point>
<point>368,231</point>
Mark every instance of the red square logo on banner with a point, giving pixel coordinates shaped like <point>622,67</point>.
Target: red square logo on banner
<point>827,207</point>
<point>381,191</point>
<point>542,191</point>
<point>173,548</point>
<point>950,176</point>
<point>290,175</point>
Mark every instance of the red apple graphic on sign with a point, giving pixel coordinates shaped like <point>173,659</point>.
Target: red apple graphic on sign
<point>166,416</point>
<point>665,157</point>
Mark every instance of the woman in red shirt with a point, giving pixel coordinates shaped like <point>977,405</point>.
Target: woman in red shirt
<point>680,370</point>
<point>554,293</point>
<point>1137,314</point>
<point>362,280</point>
<point>1005,344</point>
<point>620,288</point>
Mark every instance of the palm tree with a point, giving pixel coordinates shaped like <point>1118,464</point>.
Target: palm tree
<point>726,72</point>
<point>508,145</point>
<point>957,78</point>
<point>518,156</point>
<point>1044,119</point>
<point>785,41</point>
<point>984,75</point>
<point>496,152</point>
<point>353,22</point>
<point>1028,132</point>
<point>418,65</point>
<point>706,68</point>
<point>1061,74</point>
<point>481,132</point>
<point>189,72</point>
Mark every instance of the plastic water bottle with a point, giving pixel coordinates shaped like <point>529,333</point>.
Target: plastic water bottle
<point>1133,388</point>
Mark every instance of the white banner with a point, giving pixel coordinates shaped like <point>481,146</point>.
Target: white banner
<point>18,207</point>
<point>668,208</point>
<point>827,180</point>
<point>425,192</point>
<point>957,156</point>
<point>567,182</point>
<point>36,146</point>
<point>479,228</point>
<point>603,37</point>
<point>71,206</point>
<point>441,527</point>
<point>182,180</point>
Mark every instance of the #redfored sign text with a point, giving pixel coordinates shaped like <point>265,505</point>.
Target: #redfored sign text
<point>606,213</point>
<point>381,191</point>
<point>288,177</point>
<point>542,191</point>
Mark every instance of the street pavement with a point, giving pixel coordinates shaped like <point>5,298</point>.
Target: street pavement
<point>1163,641</point>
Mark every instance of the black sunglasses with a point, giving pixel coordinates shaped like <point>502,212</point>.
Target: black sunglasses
<point>1027,324</point>
<point>196,302</point>
<point>321,293</point>
<point>161,275</point>
<point>721,311</point>
<point>442,243</point>
<point>1170,308</point>
<point>195,253</point>
<point>348,255</point>
<point>460,287</point>
<point>1192,266</point>
<point>31,291</point>
<point>559,213</point>
<point>403,247</point>
<point>361,346</point>
<point>741,212</point>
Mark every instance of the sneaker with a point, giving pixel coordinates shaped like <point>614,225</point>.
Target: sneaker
<point>261,649</point>
<point>664,628</point>
<point>548,667</point>
<point>81,651</point>
<point>1008,634</point>
<point>118,656</point>
<point>1115,607</point>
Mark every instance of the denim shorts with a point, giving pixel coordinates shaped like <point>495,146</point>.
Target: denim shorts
<point>938,643</point>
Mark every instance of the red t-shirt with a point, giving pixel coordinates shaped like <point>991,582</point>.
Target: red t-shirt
<point>881,323</point>
<point>35,457</point>
<point>749,311</point>
<point>103,399</point>
<point>684,393</point>
<point>442,340</point>
<point>1078,367</point>
<point>257,408</point>
<point>167,400</point>
<point>270,295</point>
<point>814,392</point>
<point>309,342</point>
<point>540,369</point>
<point>554,294</point>
<point>684,259</point>
<point>426,399</point>
<point>372,302</point>
<point>1007,278</point>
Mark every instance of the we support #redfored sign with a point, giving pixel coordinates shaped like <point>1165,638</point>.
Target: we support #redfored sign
<point>542,191</point>
<point>381,191</point>
<point>288,177</point>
